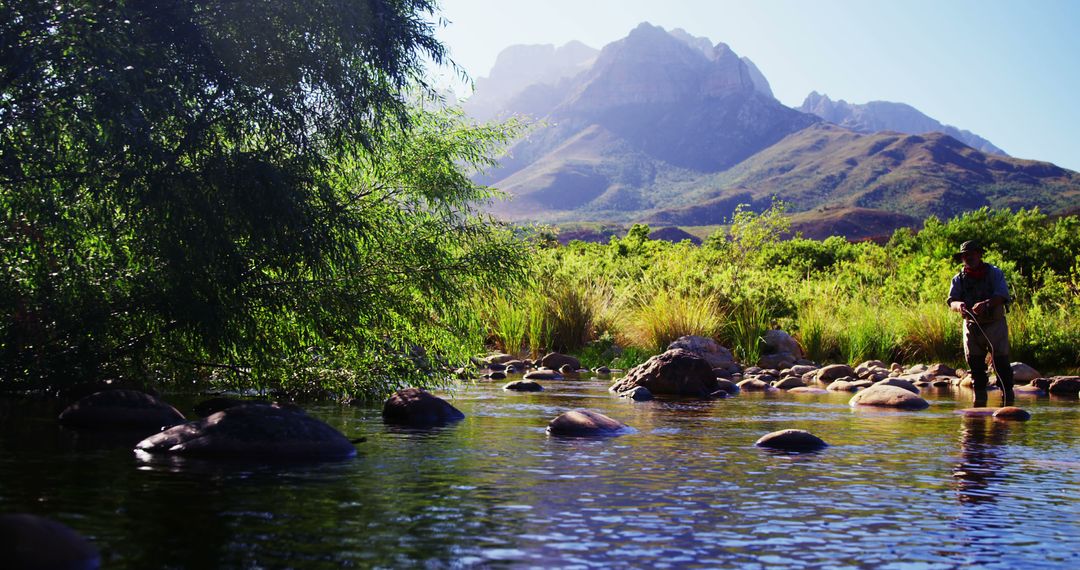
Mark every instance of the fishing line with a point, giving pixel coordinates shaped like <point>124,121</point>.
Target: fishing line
<point>990,345</point>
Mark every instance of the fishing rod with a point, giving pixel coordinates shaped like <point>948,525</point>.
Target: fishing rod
<point>990,345</point>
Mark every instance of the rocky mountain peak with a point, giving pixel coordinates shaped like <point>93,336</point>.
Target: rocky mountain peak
<point>652,65</point>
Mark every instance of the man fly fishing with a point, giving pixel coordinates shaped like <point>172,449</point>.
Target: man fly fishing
<point>979,293</point>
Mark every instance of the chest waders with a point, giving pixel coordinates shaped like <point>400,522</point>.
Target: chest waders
<point>973,291</point>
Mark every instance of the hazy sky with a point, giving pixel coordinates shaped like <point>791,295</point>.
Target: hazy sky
<point>1008,71</point>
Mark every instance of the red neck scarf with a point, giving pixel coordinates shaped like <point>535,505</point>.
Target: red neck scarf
<point>975,272</point>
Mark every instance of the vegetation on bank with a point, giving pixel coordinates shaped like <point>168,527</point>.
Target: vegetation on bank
<point>240,194</point>
<point>843,301</point>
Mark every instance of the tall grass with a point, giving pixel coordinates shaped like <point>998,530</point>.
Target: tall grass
<point>930,333</point>
<point>745,330</point>
<point>666,316</point>
<point>508,322</point>
<point>815,333</point>
<point>867,335</point>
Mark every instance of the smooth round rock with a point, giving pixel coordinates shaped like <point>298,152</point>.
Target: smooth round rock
<point>1029,389</point>
<point>1012,413</point>
<point>418,407</point>
<point>555,361</point>
<point>496,375</point>
<point>889,397</point>
<point>638,394</point>
<point>582,422</point>
<point>496,367</point>
<point>568,370</point>
<point>792,440</point>
<point>754,385</point>
<point>265,433</point>
<point>32,542</point>
<point>120,409</point>
<point>727,386</point>
<point>523,386</point>
<point>789,383</point>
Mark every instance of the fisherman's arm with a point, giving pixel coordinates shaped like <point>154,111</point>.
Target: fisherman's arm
<point>955,304</point>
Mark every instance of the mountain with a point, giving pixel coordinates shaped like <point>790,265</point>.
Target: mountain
<point>652,110</point>
<point>878,116</point>
<point>826,167</point>
<point>671,129</point>
<point>520,67</point>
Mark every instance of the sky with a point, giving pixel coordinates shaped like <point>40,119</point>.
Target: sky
<point>1008,71</point>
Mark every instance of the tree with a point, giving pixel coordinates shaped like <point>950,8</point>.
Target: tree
<point>233,186</point>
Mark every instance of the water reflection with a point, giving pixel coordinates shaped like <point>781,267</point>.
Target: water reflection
<point>982,441</point>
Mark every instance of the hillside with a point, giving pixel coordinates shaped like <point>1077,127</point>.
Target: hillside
<point>915,175</point>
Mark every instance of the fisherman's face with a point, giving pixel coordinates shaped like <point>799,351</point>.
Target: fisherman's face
<point>972,259</point>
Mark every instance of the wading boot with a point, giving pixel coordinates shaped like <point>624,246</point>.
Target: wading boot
<point>979,380</point>
<point>1003,370</point>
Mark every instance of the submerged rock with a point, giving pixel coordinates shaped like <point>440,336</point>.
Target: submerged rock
<point>889,397</point>
<point>523,386</point>
<point>30,542</point>
<point>678,372</point>
<point>265,433</point>
<point>792,440</point>
<point>120,409</point>
<point>585,423</point>
<point>418,407</point>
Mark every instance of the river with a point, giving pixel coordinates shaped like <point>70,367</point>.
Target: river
<point>687,488</point>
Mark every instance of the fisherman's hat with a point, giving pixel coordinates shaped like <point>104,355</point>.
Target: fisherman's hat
<point>968,247</point>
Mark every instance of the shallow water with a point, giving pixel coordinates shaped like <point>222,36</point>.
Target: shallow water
<point>687,488</point>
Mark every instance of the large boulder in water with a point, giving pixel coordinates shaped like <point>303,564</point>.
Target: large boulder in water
<point>716,355</point>
<point>30,542</point>
<point>885,396</point>
<point>678,372</point>
<point>418,407</point>
<point>792,440</point>
<point>265,433</point>
<point>120,409</point>
<point>581,423</point>
<point>556,361</point>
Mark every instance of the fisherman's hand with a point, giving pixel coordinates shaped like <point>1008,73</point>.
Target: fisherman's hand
<point>981,307</point>
<point>958,306</point>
